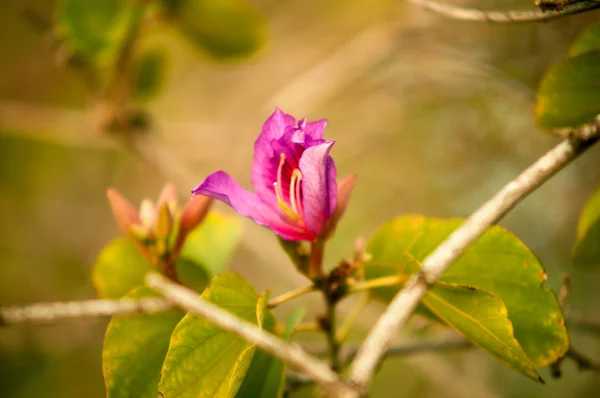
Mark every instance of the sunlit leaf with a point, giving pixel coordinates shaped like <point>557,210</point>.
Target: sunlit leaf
<point>498,262</point>
<point>119,269</point>
<point>588,40</point>
<point>586,252</point>
<point>221,28</point>
<point>203,360</point>
<point>213,242</point>
<point>481,317</point>
<point>96,28</point>
<point>569,93</point>
<point>134,350</point>
<point>150,69</point>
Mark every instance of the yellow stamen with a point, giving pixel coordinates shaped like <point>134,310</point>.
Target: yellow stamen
<point>282,205</point>
<point>295,191</point>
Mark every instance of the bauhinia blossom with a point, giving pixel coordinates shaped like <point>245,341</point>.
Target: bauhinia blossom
<point>294,179</point>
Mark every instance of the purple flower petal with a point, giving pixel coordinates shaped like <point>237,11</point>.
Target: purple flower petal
<point>315,129</point>
<point>266,159</point>
<point>319,188</point>
<point>221,186</point>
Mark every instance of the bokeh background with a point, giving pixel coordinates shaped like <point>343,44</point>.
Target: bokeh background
<point>433,115</point>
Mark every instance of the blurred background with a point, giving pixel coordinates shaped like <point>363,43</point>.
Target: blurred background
<point>433,115</point>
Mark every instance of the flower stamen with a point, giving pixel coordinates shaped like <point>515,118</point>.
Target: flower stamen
<point>295,198</point>
<point>283,205</point>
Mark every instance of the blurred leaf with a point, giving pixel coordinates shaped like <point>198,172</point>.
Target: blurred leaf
<point>482,318</point>
<point>150,69</point>
<point>498,262</point>
<point>134,350</point>
<point>96,28</point>
<point>204,360</point>
<point>192,274</point>
<point>588,40</point>
<point>212,243</point>
<point>293,320</point>
<point>569,93</point>
<point>119,269</point>
<point>222,28</point>
<point>586,252</point>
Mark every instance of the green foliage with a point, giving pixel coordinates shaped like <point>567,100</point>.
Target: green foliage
<point>119,269</point>
<point>204,360</point>
<point>150,69</point>
<point>498,263</point>
<point>222,28</point>
<point>96,28</point>
<point>134,350</point>
<point>212,243</point>
<point>192,274</point>
<point>586,252</point>
<point>588,40</point>
<point>482,317</point>
<point>569,94</point>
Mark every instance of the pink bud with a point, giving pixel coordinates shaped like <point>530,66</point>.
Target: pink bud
<point>125,214</point>
<point>193,214</point>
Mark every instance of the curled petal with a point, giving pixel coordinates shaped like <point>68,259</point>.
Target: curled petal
<point>124,213</point>
<point>273,129</point>
<point>319,188</point>
<point>221,186</point>
<point>315,129</point>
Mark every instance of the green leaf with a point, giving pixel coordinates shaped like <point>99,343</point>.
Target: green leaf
<point>134,350</point>
<point>586,252</point>
<point>498,262</point>
<point>119,269</point>
<point>222,28</point>
<point>96,28</point>
<point>192,274</point>
<point>212,243</point>
<point>203,360</point>
<point>150,69</point>
<point>588,40</point>
<point>483,318</point>
<point>293,320</point>
<point>569,94</point>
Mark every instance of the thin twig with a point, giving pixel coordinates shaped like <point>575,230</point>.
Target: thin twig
<point>471,14</point>
<point>292,353</point>
<point>292,294</point>
<point>48,313</point>
<point>404,303</point>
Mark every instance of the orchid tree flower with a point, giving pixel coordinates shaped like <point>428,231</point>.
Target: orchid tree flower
<point>294,178</point>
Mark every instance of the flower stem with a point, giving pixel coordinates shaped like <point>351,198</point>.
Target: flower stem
<point>315,262</point>
<point>292,294</point>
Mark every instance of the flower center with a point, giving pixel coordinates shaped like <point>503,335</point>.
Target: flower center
<point>293,209</point>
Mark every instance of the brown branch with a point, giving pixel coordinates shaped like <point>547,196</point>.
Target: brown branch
<point>404,303</point>
<point>474,15</point>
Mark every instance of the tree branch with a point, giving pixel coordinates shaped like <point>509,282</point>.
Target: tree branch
<point>293,354</point>
<point>48,313</point>
<point>471,14</point>
<point>404,303</point>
